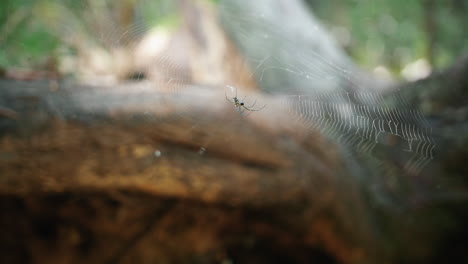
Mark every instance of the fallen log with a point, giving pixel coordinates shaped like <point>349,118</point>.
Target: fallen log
<point>109,150</point>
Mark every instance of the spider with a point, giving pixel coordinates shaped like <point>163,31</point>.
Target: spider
<point>241,107</point>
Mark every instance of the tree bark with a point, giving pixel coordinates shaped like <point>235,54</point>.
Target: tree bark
<point>128,139</point>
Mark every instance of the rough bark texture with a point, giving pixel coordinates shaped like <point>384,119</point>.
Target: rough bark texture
<point>71,145</point>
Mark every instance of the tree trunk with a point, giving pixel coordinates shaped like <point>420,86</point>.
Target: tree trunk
<point>127,141</point>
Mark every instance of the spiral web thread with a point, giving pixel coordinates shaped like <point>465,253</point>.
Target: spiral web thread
<point>364,125</point>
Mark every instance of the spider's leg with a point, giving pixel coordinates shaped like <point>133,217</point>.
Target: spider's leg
<point>225,94</point>
<point>253,104</point>
<point>250,109</point>
<point>261,108</point>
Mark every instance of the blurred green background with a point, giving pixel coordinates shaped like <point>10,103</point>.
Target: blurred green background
<point>35,32</point>
<point>396,32</point>
<point>389,33</point>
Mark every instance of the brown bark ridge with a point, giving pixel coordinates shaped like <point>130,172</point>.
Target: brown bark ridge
<point>117,172</point>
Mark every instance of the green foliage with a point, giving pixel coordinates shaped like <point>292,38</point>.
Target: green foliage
<point>21,41</point>
<point>35,31</point>
<point>394,33</point>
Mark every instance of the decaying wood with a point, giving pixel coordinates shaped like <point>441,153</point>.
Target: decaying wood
<point>133,172</point>
<point>79,141</point>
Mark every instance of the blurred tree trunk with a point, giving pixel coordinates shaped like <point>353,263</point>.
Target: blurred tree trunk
<point>80,164</point>
<point>257,180</point>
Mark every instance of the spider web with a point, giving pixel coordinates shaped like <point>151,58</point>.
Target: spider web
<point>363,126</point>
<point>322,88</point>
